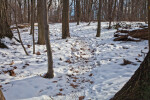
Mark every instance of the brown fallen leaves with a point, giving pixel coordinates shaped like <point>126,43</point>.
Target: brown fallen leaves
<point>11,63</point>
<point>81,97</point>
<point>38,53</point>
<point>11,72</point>
<point>73,85</point>
<point>68,61</point>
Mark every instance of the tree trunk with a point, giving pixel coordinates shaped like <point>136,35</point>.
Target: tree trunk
<point>99,19</point>
<point>32,22</point>
<point>20,15</point>
<point>25,11</point>
<point>138,87</point>
<point>90,11</point>
<point>65,20</point>
<point>149,22</point>
<point>113,14</point>
<point>1,96</point>
<point>5,30</point>
<point>18,30</point>
<point>110,4</point>
<point>78,11</point>
<point>44,20</point>
<point>28,11</point>
<point>41,37</point>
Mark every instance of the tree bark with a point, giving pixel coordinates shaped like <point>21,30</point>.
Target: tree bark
<point>138,87</point>
<point>28,11</point>
<point>110,4</point>
<point>5,30</point>
<point>99,20</point>
<point>78,11</point>
<point>41,37</point>
<point>32,23</point>
<point>65,20</point>
<point>1,96</point>
<point>90,11</point>
<point>25,11</point>
<point>149,23</point>
<point>44,20</point>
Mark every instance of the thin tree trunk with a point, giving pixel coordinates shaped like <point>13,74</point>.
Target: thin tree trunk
<point>28,11</point>
<point>25,10</point>
<point>90,11</point>
<point>99,20</point>
<point>32,22</point>
<point>78,11</point>
<point>20,11</point>
<point>18,31</point>
<point>149,23</point>
<point>110,12</point>
<point>113,13</point>
<point>41,37</point>
<point>47,40</point>
<point>65,20</point>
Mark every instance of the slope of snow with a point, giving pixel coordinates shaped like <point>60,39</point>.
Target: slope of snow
<point>84,66</point>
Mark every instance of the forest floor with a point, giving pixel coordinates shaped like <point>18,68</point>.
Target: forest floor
<point>85,66</point>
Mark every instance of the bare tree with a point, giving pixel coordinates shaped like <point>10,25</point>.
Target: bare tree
<point>14,10</point>
<point>78,11</point>
<point>149,23</point>
<point>32,22</point>
<point>41,37</point>
<point>25,11</point>
<point>20,14</point>
<point>45,29</point>
<point>65,20</point>
<point>99,20</point>
<point>90,11</point>
<point>28,11</point>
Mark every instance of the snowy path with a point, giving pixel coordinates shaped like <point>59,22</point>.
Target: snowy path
<point>83,64</point>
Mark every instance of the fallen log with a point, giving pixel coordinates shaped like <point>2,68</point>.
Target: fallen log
<point>122,35</point>
<point>125,38</point>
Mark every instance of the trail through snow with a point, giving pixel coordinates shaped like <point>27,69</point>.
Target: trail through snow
<point>84,66</point>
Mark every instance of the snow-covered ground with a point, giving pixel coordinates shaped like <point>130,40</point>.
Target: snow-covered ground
<point>84,66</point>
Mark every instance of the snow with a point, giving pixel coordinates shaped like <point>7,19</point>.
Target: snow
<point>83,64</point>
